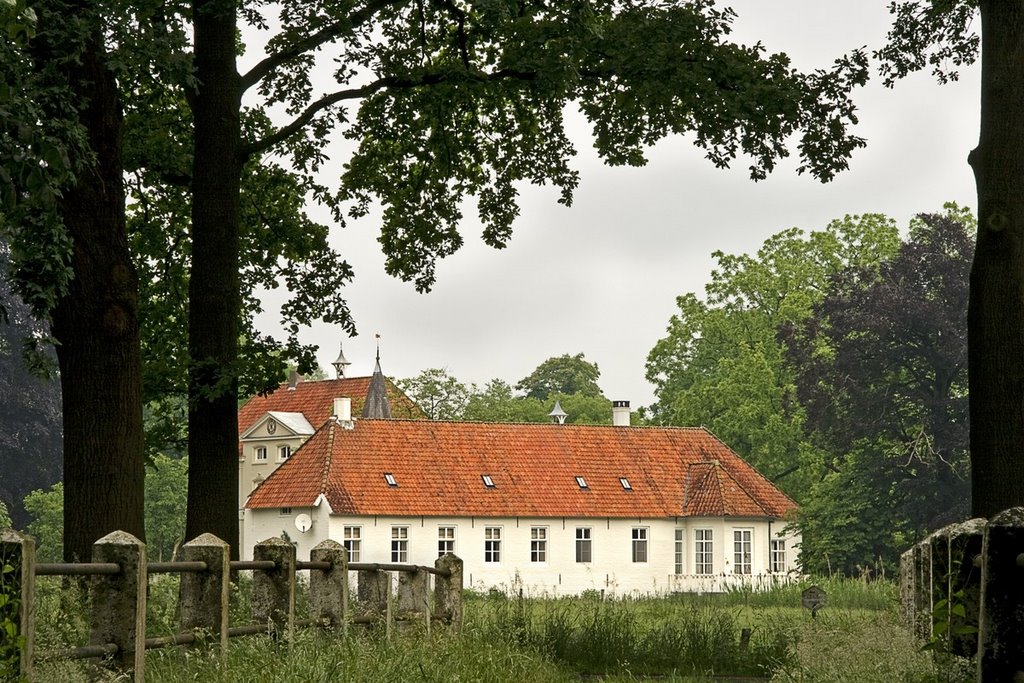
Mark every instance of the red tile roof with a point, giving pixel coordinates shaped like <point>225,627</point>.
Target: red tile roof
<point>315,400</point>
<point>438,467</point>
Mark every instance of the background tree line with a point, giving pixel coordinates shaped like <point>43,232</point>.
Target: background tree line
<point>836,363</point>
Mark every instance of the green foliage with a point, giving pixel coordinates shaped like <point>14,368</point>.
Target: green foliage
<point>563,374</point>
<point>882,375</point>
<point>47,526</point>
<point>438,394</point>
<point>5,518</point>
<point>721,365</point>
<point>11,638</point>
<point>166,494</point>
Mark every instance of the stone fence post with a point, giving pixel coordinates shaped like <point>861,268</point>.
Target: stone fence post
<point>413,592</point>
<point>119,601</point>
<point>957,579</point>
<point>273,590</point>
<point>1000,655</point>
<point>203,596</point>
<point>448,590</point>
<point>374,591</point>
<point>328,589</point>
<point>18,586</point>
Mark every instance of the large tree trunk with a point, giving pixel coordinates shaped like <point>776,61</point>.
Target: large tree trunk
<point>97,330</point>
<point>214,297</point>
<point>996,311</point>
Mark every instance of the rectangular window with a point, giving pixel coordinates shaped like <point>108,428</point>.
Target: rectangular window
<point>538,544</point>
<point>679,551</point>
<point>399,544</point>
<point>488,482</point>
<point>778,555</point>
<point>353,542</point>
<point>492,544</point>
<point>704,552</point>
<point>742,549</point>
<point>445,540</point>
<point>285,511</point>
<point>639,544</point>
<point>581,482</point>
<point>390,479</point>
<point>625,484</point>
<point>284,452</point>
<point>583,544</point>
<point>260,454</point>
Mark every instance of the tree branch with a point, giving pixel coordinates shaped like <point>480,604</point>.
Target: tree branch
<point>387,83</point>
<point>313,41</point>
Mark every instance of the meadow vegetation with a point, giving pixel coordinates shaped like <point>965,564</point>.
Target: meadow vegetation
<point>692,638</point>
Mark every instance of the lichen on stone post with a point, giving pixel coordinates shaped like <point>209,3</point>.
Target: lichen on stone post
<point>273,590</point>
<point>119,602</point>
<point>328,588</point>
<point>203,596</point>
<point>448,590</point>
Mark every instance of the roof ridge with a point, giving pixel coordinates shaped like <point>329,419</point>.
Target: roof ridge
<point>675,428</point>
<point>326,466</point>
<point>743,488</point>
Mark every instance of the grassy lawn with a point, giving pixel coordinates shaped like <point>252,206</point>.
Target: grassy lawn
<point>857,637</point>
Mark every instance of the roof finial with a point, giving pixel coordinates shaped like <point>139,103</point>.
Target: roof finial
<point>558,415</point>
<point>377,337</point>
<point>341,364</point>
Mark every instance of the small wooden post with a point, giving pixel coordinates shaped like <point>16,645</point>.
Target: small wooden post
<point>448,591</point>
<point>1000,656</point>
<point>119,602</point>
<point>328,589</point>
<point>18,585</point>
<point>203,596</point>
<point>273,590</point>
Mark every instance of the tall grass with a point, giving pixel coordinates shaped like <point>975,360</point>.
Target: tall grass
<point>857,637</point>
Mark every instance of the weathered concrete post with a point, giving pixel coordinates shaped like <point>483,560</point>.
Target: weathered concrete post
<point>203,596</point>
<point>413,589</point>
<point>963,583</point>
<point>273,590</point>
<point>328,589</point>
<point>907,577</point>
<point>18,585</point>
<point>119,601</point>
<point>374,591</point>
<point>923,590</point>
<point>448,590</point>
<point>1000,655</point>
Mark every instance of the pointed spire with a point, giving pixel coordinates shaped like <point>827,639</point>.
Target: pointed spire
<point>558,415</point>
<point>341,364</point>
<point>376,405</point>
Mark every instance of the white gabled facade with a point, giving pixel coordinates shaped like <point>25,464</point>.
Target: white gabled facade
<point>558,556</point>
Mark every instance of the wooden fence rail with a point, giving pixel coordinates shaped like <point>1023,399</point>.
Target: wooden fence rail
<point>119,575</point>
<point>962,591</point>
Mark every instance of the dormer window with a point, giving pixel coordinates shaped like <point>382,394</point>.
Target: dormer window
<point>625,484</point>
<point>488,482</point>
<point>582,482</point>
<point>390,479</point>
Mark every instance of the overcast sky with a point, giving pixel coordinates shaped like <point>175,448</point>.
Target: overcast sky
<point>601,277</point>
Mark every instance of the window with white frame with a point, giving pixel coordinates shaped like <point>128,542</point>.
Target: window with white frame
<point>704,552</point>
<point>583,544</point>
<point>679,551</point>
<point>445,540</point>
<point>285,512</point>
<point>492,544</point>
<point>284,452</point>
<point>538,544</point>
<point>353,542</point>
<point>399,544</point>
<point>778,555</point>
<point>742,550</point>
<point>259,454</point>
<point>639,544</point>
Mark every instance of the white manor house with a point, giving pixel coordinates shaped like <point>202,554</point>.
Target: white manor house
<point>553,509</point>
